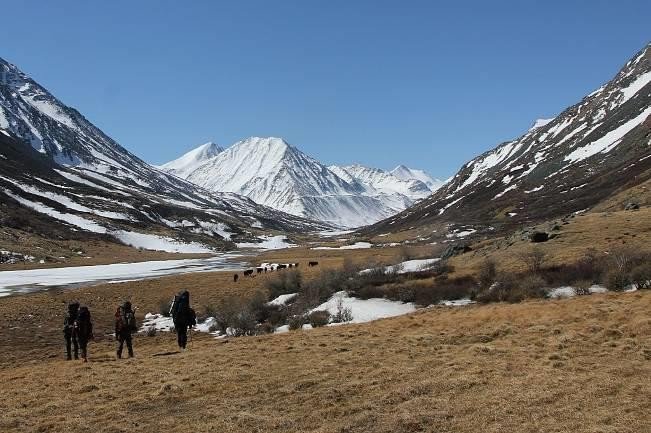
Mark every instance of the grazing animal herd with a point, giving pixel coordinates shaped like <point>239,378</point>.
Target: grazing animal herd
<point>269,267</point>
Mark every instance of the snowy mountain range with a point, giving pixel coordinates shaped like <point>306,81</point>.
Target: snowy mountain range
<point>274,173</point>
<point>596,150</point>
<point>60,172</point>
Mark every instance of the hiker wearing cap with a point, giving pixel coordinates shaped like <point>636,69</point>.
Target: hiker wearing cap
<point>125,325</point>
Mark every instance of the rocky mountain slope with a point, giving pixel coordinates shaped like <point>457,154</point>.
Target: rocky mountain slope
<point>593,150</point>
<point>274,173</point>
<point>61,174</point>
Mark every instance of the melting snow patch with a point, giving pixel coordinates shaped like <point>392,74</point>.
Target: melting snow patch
<point>609,141</point>
<point>166,324</point>
<point>460,234</point>
<point>159,243</point>
<point>635,86</point>
<point>500,194</point>
<point>158,322</point>
<point>355,246</point>
<point>538,188</point>
<point>283,299</point>
<point>33,279</point>
<point>268,243</point>
<point>457,302</point>
<point>407,266</point>
<point>75,220</point>
<point>81,180</point>
<point>366,310</point>
<point>568,292</point>
<point>332,233</point>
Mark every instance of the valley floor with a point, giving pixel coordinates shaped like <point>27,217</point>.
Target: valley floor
<point>577,365</point>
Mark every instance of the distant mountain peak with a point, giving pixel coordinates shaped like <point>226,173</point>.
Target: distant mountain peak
<point>405,173</point>
<point>186,163</point>
<point>270,171</point>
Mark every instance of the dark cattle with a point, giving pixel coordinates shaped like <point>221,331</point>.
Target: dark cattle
<point>291,265</point>
<point>282,267</point>
<point>259,270</point>
<point>235,277</point>
<point>296,265</point>
<point>248,272</point>
<point>310,264</point>
<point>266,269</point>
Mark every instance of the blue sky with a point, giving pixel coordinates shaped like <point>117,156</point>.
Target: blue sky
<point>426,83</point>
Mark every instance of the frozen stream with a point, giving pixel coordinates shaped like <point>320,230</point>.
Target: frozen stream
<point>31,280</point>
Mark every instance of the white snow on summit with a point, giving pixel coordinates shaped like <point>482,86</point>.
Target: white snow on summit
<point>274,173</point>
<point>405,173</point>
<point>184,165</point>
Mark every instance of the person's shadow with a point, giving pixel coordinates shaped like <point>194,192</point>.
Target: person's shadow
<point>166,353</point>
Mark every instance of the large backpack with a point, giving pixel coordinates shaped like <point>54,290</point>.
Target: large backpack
<point>125,318</point>
<point>83,324</point>
<point>71,316</point>
<point>180,307</point>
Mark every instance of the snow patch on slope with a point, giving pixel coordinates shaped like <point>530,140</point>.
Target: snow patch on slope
<point>606,143</point>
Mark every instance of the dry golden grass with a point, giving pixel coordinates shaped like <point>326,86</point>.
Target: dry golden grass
<point>580,365</point>
<point>600,232</point>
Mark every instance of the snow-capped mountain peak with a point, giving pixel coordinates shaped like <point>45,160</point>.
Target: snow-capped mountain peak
<point>60,170</point>
<point>271,171</point>
<point>405,173</point>
<point>188,162</point>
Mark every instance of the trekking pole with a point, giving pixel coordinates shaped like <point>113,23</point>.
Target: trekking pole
<point>191,340</point>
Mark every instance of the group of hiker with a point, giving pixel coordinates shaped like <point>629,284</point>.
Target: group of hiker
<point>78,326</point>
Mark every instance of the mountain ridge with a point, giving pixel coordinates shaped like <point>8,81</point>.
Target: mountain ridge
<point>590,151</point>
<point>90,184</point>
<point>275,173</point>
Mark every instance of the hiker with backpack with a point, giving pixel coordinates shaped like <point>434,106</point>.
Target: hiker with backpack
<point>83,329</point>
<point>68,330</point>
<point>125,325</point>
<point>183,316</point>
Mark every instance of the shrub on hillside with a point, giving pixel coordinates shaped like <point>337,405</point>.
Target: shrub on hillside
<point>319,318</point>
<point>534,259</point>
<point>295,322</point>
<point>617,280</point>
<point>243,323</point>
<point>582,288</point>
<point>487,273</point>
<point>512,288</point>
<point>284,282</point>
<point>328,282</point>
<point>266,328</point>
<point>641,276</point>
<point>343,314</point>
<point>442,289</point>
<point>240,316</point>
<point>278,316</point>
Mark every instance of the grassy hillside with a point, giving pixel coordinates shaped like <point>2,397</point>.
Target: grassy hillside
<point>580,365</point>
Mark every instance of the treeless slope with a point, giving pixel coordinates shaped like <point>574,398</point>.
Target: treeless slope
<point>579,365</point>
